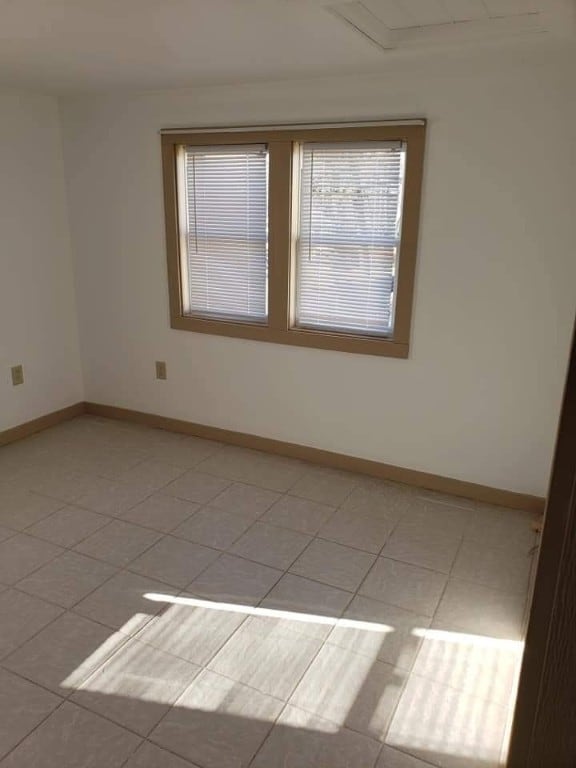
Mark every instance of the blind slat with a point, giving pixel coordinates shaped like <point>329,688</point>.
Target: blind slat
<point>226,237</point>
<point>349,236</point>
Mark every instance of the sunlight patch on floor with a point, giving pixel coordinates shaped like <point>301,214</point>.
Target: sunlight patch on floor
<point>107,649</point>
<point>458,699</point>
<point>273,613</point>
<point>456,702</point>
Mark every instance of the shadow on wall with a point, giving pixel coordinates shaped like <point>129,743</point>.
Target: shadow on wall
<point>209,681</point>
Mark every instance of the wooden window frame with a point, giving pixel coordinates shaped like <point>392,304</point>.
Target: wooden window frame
<point>281,145</point>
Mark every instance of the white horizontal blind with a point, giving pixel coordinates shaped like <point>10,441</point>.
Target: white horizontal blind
<point>349,236</point>
<point>224,216</point>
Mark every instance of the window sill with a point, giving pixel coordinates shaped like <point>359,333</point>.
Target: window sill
<point>338,342</point>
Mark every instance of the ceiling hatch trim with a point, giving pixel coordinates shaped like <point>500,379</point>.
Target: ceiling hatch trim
<point>360,18</point>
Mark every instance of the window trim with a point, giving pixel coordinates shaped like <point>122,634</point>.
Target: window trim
<point>281,221</point>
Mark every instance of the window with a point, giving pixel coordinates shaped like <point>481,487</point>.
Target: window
<point>301,236</point>
<point>224,231</point>
<point>349,233</point>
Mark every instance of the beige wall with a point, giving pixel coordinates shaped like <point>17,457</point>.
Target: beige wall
<point>479,397</point>
<point>38,324</point>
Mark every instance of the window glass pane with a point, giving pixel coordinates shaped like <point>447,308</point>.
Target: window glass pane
<point>223,194</point>
<point>350,213</point>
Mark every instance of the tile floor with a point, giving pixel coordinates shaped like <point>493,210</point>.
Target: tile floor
<point>169,602</point>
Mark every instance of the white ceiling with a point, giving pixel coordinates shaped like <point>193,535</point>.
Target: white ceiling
<point>82,45</point>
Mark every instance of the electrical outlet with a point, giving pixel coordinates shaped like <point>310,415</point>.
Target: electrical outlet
<point>17,375</point>
<point>161,370</point>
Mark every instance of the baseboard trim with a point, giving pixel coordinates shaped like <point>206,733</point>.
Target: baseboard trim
<point>449,485</point>
<point>42,422</point>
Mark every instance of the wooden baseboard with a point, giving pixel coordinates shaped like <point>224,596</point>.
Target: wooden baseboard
<point>43,422</point>
<point>449,485</point>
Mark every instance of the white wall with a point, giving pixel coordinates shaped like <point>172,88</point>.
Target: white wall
<point>38,323</point>
<point>496,279</point>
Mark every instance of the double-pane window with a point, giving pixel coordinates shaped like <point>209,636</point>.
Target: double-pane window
<point>295,236</point>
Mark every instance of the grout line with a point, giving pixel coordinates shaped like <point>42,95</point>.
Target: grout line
<point>125,639</point>
<point>131,755</point>
<point>36,727</point>
<point>63,612</point>
<point>148,740</point>
<point>268,735</point>
<point>22,676</point>
<point>411,755</point>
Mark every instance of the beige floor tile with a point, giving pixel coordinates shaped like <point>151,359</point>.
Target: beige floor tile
<point>381,631</point>
<point>113,498</point>
<point>446,498</point>
<point>68,526</point>
<point>161,513</point>
<point>119,543</point>
<point>325,485</point>
<point>23,706</point>
<point>72,737</point>
<point>275,473</point>
<point>217,723</point>
<point>295,593</point>
<point>447,727</point>
<point>150,756</point>
<point>428,516</point>
<point>185,452</point>
<point>351,690</point>
<point>297,514</point>
<point>151,474</point>
<point>484,667</point>
<point>174,561</point>
<point>196,486</point>
<point>406,586</point>
<point>20,509</point>
<point>31,451</point>
<point>265,655</point>
<point>59,483</point>
<point>108,460</point>
<point>228,462</point>
<point>7,533</point>
<point>195,632</point>
<point>428,549</point>
<point>21,617</point>
<point>23,554</point>
<point>333,564</point>
<point>67,579</point>
<point>311,608</point>
<point>494,525</point>
<point>136,686</point>
<point>121,602</point>
<point>393,758</point>
<point>246,499</point>
<point>494,566</point>
<point>379,499</point>
<point>271,545</point>
<point>13,469</point>
<point>64,654</point>
<point>480,610</point>
<point>214,527</point>
<point>353,529</point>
<point>303,740</point>
<point>235,580</point>
<point>137,436</point>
